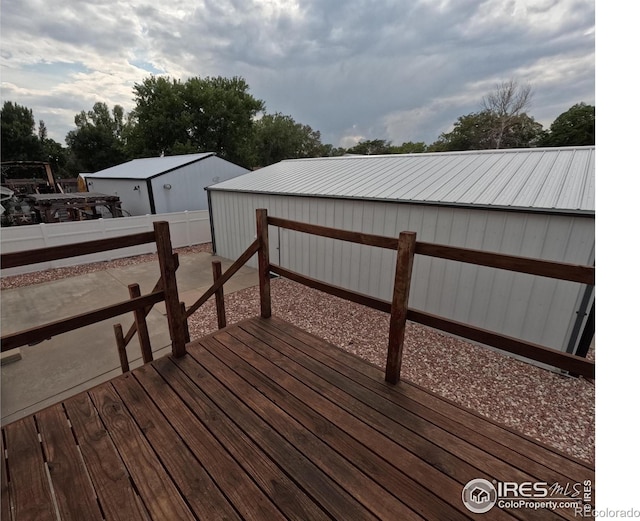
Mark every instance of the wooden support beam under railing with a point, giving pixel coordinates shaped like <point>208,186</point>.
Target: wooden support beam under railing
<point>187,335</point>
<point>263,262</point>
<point>220,310</point>
<point>158,287</point>
<point>122,348</point>
<point>240,261</point>
<point>169,283</point>
<point>399,305</point>
<point>141,326</point>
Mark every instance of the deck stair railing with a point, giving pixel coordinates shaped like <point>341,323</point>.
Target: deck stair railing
<point>165,290</point>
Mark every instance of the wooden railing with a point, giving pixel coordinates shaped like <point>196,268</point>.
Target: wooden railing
<point>166,289</point>
<point>407,247</point>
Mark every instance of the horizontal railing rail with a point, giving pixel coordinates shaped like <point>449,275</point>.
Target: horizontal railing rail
<point>46,331</point>
<point>543,268</point>
<point>563,271</point>
<point>165,290</point>
<point>24,258</point>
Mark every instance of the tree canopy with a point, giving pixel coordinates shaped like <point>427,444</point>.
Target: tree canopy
<point>575,127</point>
<point>200,115</point>
<point>18,134</point>
<point>220,115</point>
<point>502,123</point>
<point>279,137</point>
<point>97,142</point>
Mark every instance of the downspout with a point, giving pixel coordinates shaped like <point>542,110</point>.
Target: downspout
<point>588,333</point>
<point>583,311</point>
<point>211,226</point>
<point>152,202</point>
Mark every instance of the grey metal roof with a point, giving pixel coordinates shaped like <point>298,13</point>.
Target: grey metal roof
<point>148,167</point>
<point>551,179</point>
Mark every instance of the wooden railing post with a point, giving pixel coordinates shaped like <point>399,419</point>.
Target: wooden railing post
<point>122,348</point>
<point>220,311</point>
<point>185,317</point>
<point>262,228</point>
<point>170,286</point>
<point>399,305</point>
<point>141,326</point>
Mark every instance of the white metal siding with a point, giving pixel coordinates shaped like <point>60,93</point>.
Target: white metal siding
<point>188,183</point>
<point>536,309</point>
<point>136,202</point>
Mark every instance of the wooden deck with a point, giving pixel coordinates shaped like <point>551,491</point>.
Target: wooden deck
<point>264,421</point>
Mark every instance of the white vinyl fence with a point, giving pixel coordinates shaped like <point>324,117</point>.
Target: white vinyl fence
<point>187,229</point>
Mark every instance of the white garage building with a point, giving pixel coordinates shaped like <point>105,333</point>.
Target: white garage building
<point>163,184</point>
<point>529,202</point>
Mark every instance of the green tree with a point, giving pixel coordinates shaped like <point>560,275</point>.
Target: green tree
<point>97,142</point>
<point>371,147</point>
<point>200,115</point>
<point>476,131</point>
<point>575,127</point>
<point>502,123</point>
<point>160,120</point>
<point>470,132</point>
<point>18,134</point>
<point>328,150</point>
<point>408,147</point>
<point>279,137</point>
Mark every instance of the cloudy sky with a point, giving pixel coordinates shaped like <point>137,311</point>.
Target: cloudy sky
<point>352,69</point>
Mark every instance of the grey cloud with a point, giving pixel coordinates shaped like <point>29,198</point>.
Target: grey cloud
<point>335,64</point>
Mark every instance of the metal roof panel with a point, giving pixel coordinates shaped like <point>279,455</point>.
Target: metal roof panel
<point>554,179</point>
<point>148,167</point>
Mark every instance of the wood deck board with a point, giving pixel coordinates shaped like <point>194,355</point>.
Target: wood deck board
<point>414,454</point>
<point>108,473</point>
<point>71,484</point>
<point>272,454</point>
<point>198,488</point>
<point>430,442</point>
<point>28,481</point>
<point>263,421</point>
<point>495,439</point>
<point>208,430</point>
<point>153,483</point>
<point>367,448</point>
<point>328,457</point>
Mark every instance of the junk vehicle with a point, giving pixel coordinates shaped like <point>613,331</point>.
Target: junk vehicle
<point>31,194</point>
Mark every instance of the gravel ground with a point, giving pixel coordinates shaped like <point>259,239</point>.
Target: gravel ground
<point>556,409</point>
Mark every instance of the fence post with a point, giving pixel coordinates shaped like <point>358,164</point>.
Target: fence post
<point>141,326</point>
<point>170,287</point>
<point>399,305</point>
<point>262,228</point>
<point>220,310</point>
